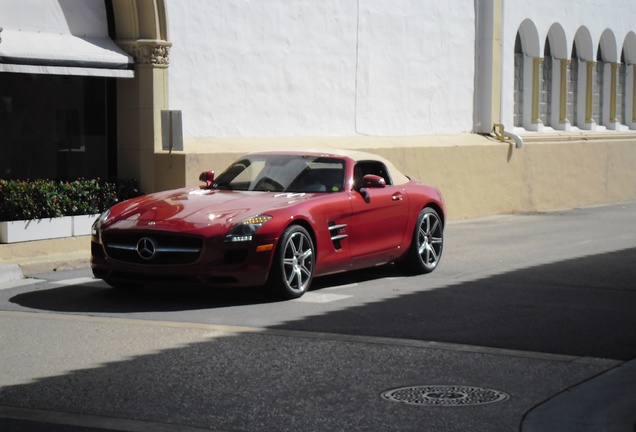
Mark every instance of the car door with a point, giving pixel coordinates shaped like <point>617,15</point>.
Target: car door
<point>379,219</point>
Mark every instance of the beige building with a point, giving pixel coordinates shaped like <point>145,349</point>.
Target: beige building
<point>504,105</point>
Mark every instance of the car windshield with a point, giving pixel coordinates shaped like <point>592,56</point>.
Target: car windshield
<point>283,173</point>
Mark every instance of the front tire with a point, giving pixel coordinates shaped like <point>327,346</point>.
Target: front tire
<point>293,265</point>
<point>427,243</point>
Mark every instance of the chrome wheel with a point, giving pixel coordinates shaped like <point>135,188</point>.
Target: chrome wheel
<point>427,243</point>
<point>430,239</point>
<point>293,266</point>
<point>298,262</point>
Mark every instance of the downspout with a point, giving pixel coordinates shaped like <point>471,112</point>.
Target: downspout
<point>498,128</point>
<point>503,135</point>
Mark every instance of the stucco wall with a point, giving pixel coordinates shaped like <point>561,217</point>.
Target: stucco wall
<point>315,68</point>
<point>396,77</point>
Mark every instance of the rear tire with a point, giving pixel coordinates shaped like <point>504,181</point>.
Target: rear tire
<point>427,243</point>
<point>293,266</point>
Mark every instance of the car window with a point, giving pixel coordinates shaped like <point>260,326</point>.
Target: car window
<point>363,168</point>
<point>284,173</point>
<point>319,176</point>
<point>246,175</point>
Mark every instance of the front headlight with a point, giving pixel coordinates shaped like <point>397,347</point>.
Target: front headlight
<point>245,230</point>
<point>99,222</point>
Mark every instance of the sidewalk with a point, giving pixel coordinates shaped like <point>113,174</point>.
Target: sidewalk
<point>606,403</point>
<point>29,258</point>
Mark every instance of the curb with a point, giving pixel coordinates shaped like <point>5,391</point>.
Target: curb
<point>60,263</point>
<point>10,273</point>
<point>20,260</point>
<point>605,403</point>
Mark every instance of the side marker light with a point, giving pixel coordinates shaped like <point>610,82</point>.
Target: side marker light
<point>264,248</point>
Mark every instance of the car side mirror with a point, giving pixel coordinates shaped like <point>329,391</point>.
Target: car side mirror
<point>370,181</point>
<point>208,178</point>
<point>373,181</point>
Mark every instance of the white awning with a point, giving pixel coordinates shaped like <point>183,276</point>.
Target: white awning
<point>62,54</point>
<point>61,38</point>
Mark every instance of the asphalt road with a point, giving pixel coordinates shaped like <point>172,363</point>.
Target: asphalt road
<point>529,305</point>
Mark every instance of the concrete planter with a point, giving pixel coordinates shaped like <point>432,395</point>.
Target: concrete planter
<point>82,224</point>
<point>41,229</point>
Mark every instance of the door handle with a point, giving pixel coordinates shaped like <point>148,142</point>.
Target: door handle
<point>397,197</point>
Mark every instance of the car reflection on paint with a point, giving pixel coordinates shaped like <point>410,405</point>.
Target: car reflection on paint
<point>273,219</point>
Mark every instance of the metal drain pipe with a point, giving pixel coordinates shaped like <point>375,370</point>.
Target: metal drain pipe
<point>502,135</point>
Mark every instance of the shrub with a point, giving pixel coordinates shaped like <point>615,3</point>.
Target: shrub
<point>41,199</point>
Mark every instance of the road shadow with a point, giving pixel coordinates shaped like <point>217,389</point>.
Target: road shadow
<point>244,381</point>
<point>99,298</point>
<point>96,297</point>
<point>581,307</point>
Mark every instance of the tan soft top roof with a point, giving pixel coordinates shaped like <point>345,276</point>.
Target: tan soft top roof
<point>396,176</point>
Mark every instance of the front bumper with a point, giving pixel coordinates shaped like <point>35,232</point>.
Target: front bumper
<point>218,264</point>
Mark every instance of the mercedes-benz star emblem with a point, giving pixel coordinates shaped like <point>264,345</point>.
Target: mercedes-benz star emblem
<point>146,248</point>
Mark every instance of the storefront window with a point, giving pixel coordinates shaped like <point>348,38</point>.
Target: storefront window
<point>54,127</point>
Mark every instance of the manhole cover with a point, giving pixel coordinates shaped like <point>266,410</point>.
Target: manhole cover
<point>444,395</point>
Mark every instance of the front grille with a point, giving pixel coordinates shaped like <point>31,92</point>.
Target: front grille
<point>152,248</point>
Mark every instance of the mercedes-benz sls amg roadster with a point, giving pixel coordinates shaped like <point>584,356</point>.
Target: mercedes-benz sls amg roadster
<point>273,219</point>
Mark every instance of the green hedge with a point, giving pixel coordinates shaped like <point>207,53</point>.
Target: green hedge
<point>43,199</point>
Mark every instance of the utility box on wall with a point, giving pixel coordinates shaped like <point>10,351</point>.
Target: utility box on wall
<point>171,130</point>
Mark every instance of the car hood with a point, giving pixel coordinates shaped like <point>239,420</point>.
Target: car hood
<point>195,209</point>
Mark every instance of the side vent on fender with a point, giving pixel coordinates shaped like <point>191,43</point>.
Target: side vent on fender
<point>338,233</point>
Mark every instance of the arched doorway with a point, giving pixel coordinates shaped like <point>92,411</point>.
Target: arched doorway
<point>141,30</point>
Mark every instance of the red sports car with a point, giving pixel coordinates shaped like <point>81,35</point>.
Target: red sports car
<point>273,219</point>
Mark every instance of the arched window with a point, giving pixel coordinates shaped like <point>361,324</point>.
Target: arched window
<point>628,66</point>
<point>518,90</point>
<point>582,75</point>
<point>597,95</point>
<point>527,78</point>
<point>545,103</point>
<point>621,90</point>
<point>573,85</point>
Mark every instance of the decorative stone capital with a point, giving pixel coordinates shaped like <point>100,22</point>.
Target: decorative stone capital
<point>148,51</point>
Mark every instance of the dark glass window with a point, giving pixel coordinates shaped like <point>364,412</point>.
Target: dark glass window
<point>54,127</point>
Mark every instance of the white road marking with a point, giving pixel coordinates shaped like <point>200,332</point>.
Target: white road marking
<point>336,287</point>
<point>311,297</point>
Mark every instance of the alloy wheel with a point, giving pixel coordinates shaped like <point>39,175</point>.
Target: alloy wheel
<point>298,262</point>
<point>430,239</point>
